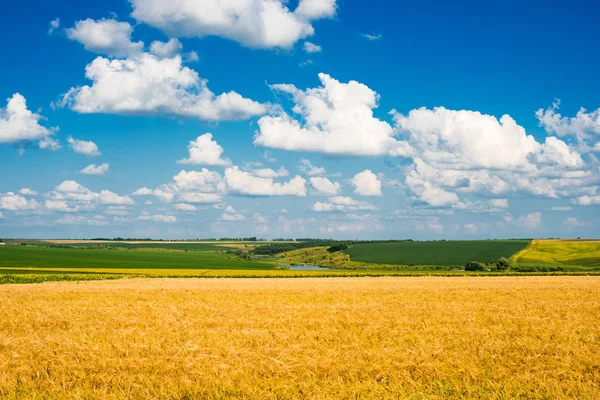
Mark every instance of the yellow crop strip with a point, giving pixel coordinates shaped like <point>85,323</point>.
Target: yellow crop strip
<point>420,338</point>
<point>570,254</point>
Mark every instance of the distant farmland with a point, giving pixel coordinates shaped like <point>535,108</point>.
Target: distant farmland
<point>45,257</point>
<point>435,253</point>
<point>568,254</point>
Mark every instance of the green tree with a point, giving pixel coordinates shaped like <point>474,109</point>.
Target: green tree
<point>502,264</point>
<point>473,266</point>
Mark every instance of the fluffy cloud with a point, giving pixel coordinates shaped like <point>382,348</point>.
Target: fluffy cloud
<point>149,85</point>
<point>105,36</point>
<point>89,149</point>
<point>502,159</point>
<point>338,120</point>
<point>28,192</point>
<point>18,124</point>
<point>1,216</point>
<point>94,169</point>
<point>71,196</point>
<point>253,23</point>
<point>324,186</point>
<point>230,214</point>
<point>191,187</point>
<point>366,183</point>
<point>67,207</point>
<point>170,49</point>
<point>340,203</point>
<point>109,198</point>
<point>269,173</point>
<point>587,200</point>
<point>14,202</point>
<point>315,9</point>
<point>307,168</point>
<point>166,49</point>
<point>583,126</point>
<point>144,191</point>
<point>185,207</point>
<point>205,151</point>
<point>160,218</point>
<point>312,48</point>
<point>244,183</point>
<point>499,203</point>
<point>201,198</point>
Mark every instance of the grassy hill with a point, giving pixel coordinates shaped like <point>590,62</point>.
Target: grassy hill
<point>573,254</point>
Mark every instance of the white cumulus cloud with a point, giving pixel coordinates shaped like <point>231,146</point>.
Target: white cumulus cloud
<point>166,49</point>
<point>87,148</point>
<point>338,120</point>
<point>204,150</point>
<point>312,48</point>
<point>366,183</point>
<point>253,23</point>
<point>584,125</point>
<point>340,203</point>
<point>186,207</point>
<point>94,169</point>
<point>105,36</point>
<point>191,187</point>
<point>306,167</point>
<point>149,85</point>
<point>270,173</point>
<point>230,214</point>
<point>587,200</point>
<point>14,202</point>
<point>324,186</point>
<point>466,151</point>
<point>28,192</point>
<point>144,191</point>
<point>18,124</point>
<point>244,183</point>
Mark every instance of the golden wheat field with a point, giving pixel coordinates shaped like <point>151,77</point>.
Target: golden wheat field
<point>417,338</point>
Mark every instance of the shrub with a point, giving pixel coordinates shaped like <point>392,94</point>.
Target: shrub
<point>473,266</point>
<point>502,264</point>
<point>337,247</point>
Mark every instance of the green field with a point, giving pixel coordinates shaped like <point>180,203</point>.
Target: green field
<point>446,253</point>
<point>154,245</point>
<point>47,257</point>
<point>36,263</point>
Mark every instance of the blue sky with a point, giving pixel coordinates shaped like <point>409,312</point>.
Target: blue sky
<point>363,119</point>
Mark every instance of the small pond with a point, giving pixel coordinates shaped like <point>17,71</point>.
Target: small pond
<point>308,268</point>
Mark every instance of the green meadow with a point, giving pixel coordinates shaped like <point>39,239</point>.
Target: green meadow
<point>443,253</point>
<point>77,258</point>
